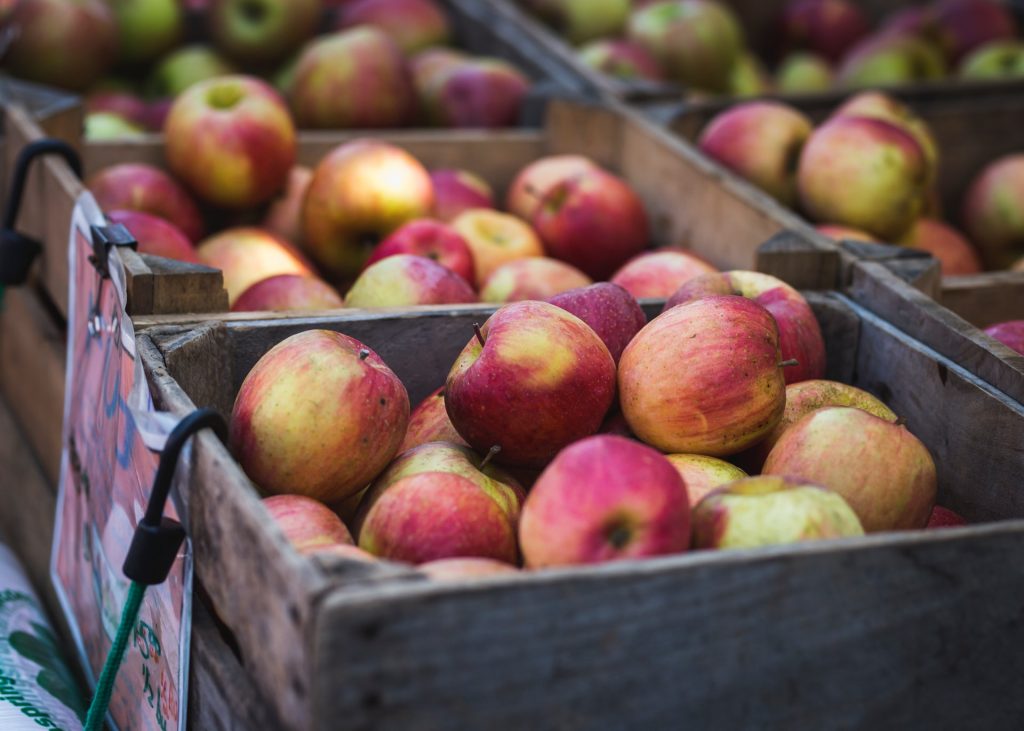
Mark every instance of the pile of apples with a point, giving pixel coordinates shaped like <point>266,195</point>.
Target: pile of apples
<point>821,43</point>
<point>379,63</point>
<point>573,431</point>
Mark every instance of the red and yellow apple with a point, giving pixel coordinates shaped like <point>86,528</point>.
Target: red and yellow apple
<point>660,273</point>
<point>495,239</point>
<point>456,191</point>
<point>993,212</point>
<point>955,253</point>
<point>155,235</point>
<point>405,280</point>
<point>284,214</point>
<point>620,58</point>
<point>533,278</point>
<point>246,255</point>
<point>432,239</point>
<point>826,27</point>
<point>479,92</point>
<point>288,292</point>
<point>412,24</point>
<point>534,181</point>
<point>429,422</point>
<point>141,187</point>
<point>308,524</point>
<point>702,474</point>
<point>609,310</point>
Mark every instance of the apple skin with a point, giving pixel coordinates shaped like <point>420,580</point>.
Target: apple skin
<point>353,79</point>
<point>769,511</point>
<point>156,235</point>
<point>246,255</point>
<point>483,93</point>
<point>495,239</point>
<point>429,422</point>
<point>880,468</point>
<point>412,24</point>
<point>141,187</point>
<point>288,292</point>
<point>1009,333</point>
<point>660,273</point>
<point>308,524</point>
<point>406,280</point>
<point>284,214</point>
<point>314,396</point>
<point>704,377</point>
<point>864,173</point>
<point>799,333</point>
<point>761,142</point>
<point>828,28</point>
<point>461,569</point>
<point>889,60</point>
<point>184,67</point>
<point>261,33</point>
<point>542,380</point>
<point>533,182</point>
<point>604,498</point>
<point>702,474</point>
<point>944,518</point>
<point>995,60</point>
<point>964,25</point>
<point>993,211</point>
<point>803,72</point>
<point>955,253</point>
<point>534,278</point>
<point>621,59</point>
<point>231,140</point>
<point>432,239</point>
<point>147,29</point>
<point>843,233</point>
<point>361,192</point>
<point>456,191</point>
<point>609,310</point>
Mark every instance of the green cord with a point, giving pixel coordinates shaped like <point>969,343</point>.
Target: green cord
<point>105,686</point>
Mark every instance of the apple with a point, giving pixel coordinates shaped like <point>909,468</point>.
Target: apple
<point>141,187</point>
<point>346,551</point>
<point>915,20</point>
<point>147,28</point>
<point>361,192</point>
<point>702,474</point>
<point>495,238</point>
<point>461,569</point>
<point>609,310</point>
<point>123,103</point>
<point>660,273</point>
<point>186,66</point>
<point>945,518</point>
<point>615,423</point>
<point>864,173</point>
<point>412,24</point>
<point>584,20</point>
<point>761,142</point>
<point>456,191</point>
<point>353,79</point>
<point>844,233</point>
<point>604,498</point>
<point>801,72</point>
<point>432,239</point>
<point>288,292</point>
<point>429,422</point>
<point>533,380</point>
<point>284,214</point>
<point>880,468</point>
<point>427,66</point>
<point>247,254</point>
<point>993,211</point>
<point>534,181</point>
<point>621,59</point>
<point>800,336</point>
<point>405,280</point>
<point>828,28</point>
<point>888,60</point>
<point>768,511</point>
<point>480,92</point>
<point>156,235</point>
<point>1009,333</point>
<point>308,524</point>
<point>231,140</point>
<point>705,377</point>
<point>261,32</point>
<point>535,278</point>
<point>110,126</point>
<point>319,415</point>
<point>695,41</point>
<point>964,25</point>
<point>156,113</point>
<point>749,77</point>
<point>995,60</point>
<point>65,43</point>
<point>955,253</point>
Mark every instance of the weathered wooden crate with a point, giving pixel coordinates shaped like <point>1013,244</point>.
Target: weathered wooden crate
<point>898,630</point>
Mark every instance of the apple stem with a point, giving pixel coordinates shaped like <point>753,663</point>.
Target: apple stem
<point>790,362</point>
<point>490,455</point>
<point>901,421</point>
<point>364,354</point>
<point>479,335</point>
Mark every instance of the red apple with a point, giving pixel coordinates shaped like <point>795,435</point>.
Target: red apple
<point>308,524</point>
<point>1009,333</point>
<point>534,278</point>
<point>993,211</point>
<point>429,422</point>
<point>461,569</point>
<point>660,273</point>
<point>432,239</point>
<point>247,255</point>
<point>427,67</point>
<point>156,236</point>
<point>827,27</point>
<point>945,518</point>
<point>495,239</point>
<point>284,215</point>
<point>288,292</point>
<point>963,25</point>
<point>140,187</point>
<point>702,474</point>
<point>412,24</point>
<point>534,181</point>
<point>405,280</point>
<point>260,33</point>
<point>955,253</point>
<point>456,191</point>
<point>480,92</point>
<point>621,59</point>
<point>611,311</point>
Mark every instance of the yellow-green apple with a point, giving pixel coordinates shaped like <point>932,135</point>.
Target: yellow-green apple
<point>993,212</point>
<point>882,470</point>
<point>534,181</point>
<point>1009,333</point>
<point>432,239</point>
<point>147,28</point>
<point>155,235</point>
<point>533,380</point>
<point>479,92</point>
<point>429,422</point>
<point>702,474</point>
<point>865,173</point>
<point>247,254</point>
<point>829,28</point>
<point>955,253</point>
<point>110,126</point>
<point>141,187</point>
<point>405,280</point>
<point>456,191</point>
<point>123,103</point>
<point>284,214</point>
<point>584,20</point>
<point>308,524</point>
<point>320,415</point>
<point>460,569</point>
<point>887,60</point>
<point>495,238</point>
<point>353,79</point>
<point>604,498</point>
<point>803,72</point>
<point>64,43</point>
<point>620,58</point>
<point>412,24</point>
<point>660,273</point>
<point>231,140</point>
<point>535,278</point>
<point>768,511</point>
<point>800,336</point>
<point>844,233</point>
<point>695,41</point>
<point>760,141</point>
<point>705,377</point>
<point>611,311</point>
<point>995,60</point>
<point>261,32</point>
<point>288,292</point>
<point>749,77</point>
<point>186,66</point>
<point>963,25</point>
<point>361,191</point>
<point>945,518</point>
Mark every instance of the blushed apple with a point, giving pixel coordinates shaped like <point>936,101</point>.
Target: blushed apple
<point>660,273</point>
<point>621,59</point>
<point>609,310</point>
<point>261,33</point>
<point>284,214</point>
<point>141,187</point>
<point>288,292</point>
<point>456,191</point>
<point>432,239</point>
<point>534,181</point>
<point>156,235</point>
<point>993,211</point>
<point>461,569</point>
<point>478,93</point>
<point>246,255</point>
<point>534,278</point>
<point>405,280</point>
<point>412,24</point>
<point>702,474</point>
<point>1009,333</point>
<point>495,238</point>
<point>308,524</point>
<point>955,253</point>
<point>429,422</point>
<point>829,28</point>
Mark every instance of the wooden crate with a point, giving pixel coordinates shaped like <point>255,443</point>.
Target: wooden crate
<point>896,630</point>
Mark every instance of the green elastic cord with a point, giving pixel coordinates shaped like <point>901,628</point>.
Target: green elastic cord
<point>105,686</point>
